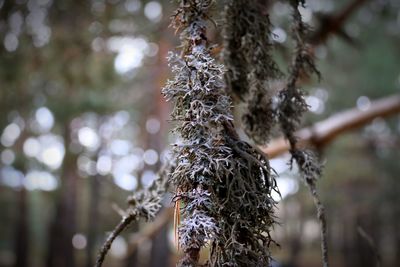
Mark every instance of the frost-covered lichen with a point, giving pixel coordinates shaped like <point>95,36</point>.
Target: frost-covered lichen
<point>223,183</point>
<point>251,69</point>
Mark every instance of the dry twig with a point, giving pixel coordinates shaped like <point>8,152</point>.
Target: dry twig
<point>125,222</point>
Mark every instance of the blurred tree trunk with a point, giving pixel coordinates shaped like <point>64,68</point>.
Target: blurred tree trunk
<point>60,250</point>
<point>132,259</point>
<point>156,108</point>
<point>160,249</point>
<point>348,235</point>
<point>21,245</point>
<point>160,252</point>
<point>22,231</point>
<point>397,236</point>
<point>366,253</point>
<point>92,220</point>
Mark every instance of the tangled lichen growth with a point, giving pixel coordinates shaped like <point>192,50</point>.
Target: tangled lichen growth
<point>250,67</point>
<point>224,183</point>
<point>251,70</point>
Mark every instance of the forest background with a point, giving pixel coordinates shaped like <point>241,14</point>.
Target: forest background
<point>83,124</point>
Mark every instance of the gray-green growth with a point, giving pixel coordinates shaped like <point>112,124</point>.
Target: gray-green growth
<point>224,183</point>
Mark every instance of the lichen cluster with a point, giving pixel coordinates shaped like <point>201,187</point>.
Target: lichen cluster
<point>251,71</point>
<point>143,204</point>
<point>224,183</point>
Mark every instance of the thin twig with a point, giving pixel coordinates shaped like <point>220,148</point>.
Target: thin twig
<point>125,222</point>
<point>142,204</point>
<point>322,220</point>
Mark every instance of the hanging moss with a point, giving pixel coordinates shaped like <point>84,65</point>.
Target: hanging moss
<point>250,68</point>
<point>292,106</point>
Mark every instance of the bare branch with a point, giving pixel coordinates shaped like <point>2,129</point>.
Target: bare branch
<point>332,24</point>
<point>125,222</point>
<point>324,132</point>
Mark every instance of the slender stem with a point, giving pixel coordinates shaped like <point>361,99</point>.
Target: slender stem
<point>123,224</point>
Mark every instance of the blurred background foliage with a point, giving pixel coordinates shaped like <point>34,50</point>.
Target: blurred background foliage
<point>83,124</point>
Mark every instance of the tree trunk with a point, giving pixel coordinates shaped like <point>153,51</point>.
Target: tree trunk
<point>93,217</point>
<point>63,227</point>
<point>22,231</point>
<point>160,249</point>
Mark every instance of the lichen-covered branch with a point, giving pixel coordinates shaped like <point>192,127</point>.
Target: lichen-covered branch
<point>292,104</point>
<point>224,183</point>
<point>291,107</point>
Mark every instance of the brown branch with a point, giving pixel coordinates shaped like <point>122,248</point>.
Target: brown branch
<point>332,24</point>
<point>124,223</point>
<point>322,133</point>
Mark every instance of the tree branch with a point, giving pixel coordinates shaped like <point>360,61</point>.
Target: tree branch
<point>324,132</point>
<point>124,223</point>
<point>332,24</point>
